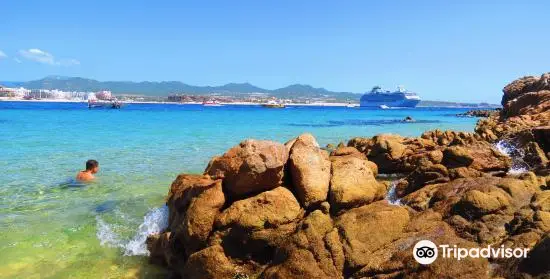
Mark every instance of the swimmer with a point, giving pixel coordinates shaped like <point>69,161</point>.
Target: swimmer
<point>92,167</point>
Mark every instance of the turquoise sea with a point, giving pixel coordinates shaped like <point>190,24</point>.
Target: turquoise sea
<point>51,227</point>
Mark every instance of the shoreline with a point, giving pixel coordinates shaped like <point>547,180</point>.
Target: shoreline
<point>354,105</point>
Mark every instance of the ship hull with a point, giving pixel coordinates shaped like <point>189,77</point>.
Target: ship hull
<point>405,103</point>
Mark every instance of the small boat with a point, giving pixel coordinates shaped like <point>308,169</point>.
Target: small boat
<point>211,104</point>
<point>350,105</point>
<point>107,104</point>
<point>273,104</point>
<point>384,107</point>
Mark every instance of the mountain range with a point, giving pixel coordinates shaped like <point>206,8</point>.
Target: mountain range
<point>164,88</point>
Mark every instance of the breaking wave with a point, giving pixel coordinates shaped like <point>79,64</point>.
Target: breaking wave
<point>518,165</point>
<point>391,196</point>
<point>155,221</point>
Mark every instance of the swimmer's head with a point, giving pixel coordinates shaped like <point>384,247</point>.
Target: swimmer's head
<point>92,166</point>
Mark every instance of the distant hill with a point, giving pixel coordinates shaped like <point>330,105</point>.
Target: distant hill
<point>164,88</point>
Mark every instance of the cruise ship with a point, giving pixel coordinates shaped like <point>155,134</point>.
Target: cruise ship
<point>378,98</point>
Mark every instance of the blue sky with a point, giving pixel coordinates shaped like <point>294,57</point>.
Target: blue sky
<point>445,50</point>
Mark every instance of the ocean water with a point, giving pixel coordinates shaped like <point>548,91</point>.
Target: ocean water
<point>52,227</point>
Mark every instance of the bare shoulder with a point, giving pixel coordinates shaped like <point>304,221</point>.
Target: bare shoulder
<point>84,176</point>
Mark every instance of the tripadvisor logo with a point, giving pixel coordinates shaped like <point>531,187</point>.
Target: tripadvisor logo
<point>426,252</point>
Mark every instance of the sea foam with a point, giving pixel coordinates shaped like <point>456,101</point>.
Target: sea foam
<point>391,196</point>
<point>509,149</point>
<point>155,221</point>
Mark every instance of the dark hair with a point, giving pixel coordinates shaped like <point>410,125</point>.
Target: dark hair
<point>90,164</point>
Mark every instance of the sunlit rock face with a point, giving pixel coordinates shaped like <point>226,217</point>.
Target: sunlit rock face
<point>270,210</point>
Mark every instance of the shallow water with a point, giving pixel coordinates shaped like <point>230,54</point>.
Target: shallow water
<point>54,228</point>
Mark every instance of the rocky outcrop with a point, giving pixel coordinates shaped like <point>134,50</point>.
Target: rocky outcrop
<point>268,210</point>
<point>479,113</point>
<point>396,154</point>
<point>526,105</point>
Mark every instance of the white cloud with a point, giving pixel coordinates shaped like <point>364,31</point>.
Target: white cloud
<point>37,55</point>
<point>2,55</point>
<point>40,56</point>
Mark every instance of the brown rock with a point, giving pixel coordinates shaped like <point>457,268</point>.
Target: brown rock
<point>541,201</point>
<point>250,167</point>
<point>477,203</point>
<point>309,168</point>
<point>395,260</point>
<point>423,175</point>
<point>542,137</point>
<point>536,262</point>
<point>352,183</point>
<point>268,209</point>
<point>210,262</point>
<point>194,201</point>
<point>384,150</point>
<point>347,150</point>
<point>314,251</point>
<point>457,156</point>
<point>160,250</point>
<point>368,228</point>
<point>528,104</point>
<point>518,87</point>
<point>534,156</point>
<point>480,156</point>
<point>464,172</point>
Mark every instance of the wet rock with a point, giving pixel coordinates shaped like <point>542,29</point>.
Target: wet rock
<point>408,119</point>
<point>160,250</point>
<point>478,113</point>
<point>250,167</point>
<point>534,156</point>
<point>309,167</point>
<point>542,137</point>
<point>352,183</point>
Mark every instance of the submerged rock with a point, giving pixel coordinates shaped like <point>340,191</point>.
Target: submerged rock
<point>478,113</point>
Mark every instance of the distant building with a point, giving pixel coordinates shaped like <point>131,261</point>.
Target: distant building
<point>104,95</point>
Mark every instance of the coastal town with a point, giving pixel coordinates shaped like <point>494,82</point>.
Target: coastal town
<point>56,95</point>
<point>208,98</point>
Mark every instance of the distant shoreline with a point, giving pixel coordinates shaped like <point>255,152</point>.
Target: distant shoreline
<point>332,104</point>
